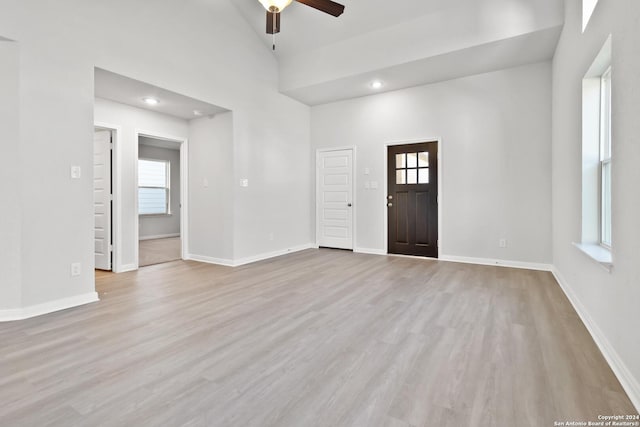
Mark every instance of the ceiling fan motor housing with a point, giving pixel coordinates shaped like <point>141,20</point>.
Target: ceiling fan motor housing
<point>275,6</point>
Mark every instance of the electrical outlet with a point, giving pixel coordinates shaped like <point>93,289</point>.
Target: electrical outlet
<point>75,269</point>
<point>502,243</point>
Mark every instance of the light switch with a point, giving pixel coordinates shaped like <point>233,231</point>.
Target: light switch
<point>244,182</point>
<point>205,183</point>
<point>367,171</point>
<point>367,185</point>
<point>374,185</point>
<point>76,171</point>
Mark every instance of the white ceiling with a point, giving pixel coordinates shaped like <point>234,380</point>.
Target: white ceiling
<point>404,42</point>
<point>125,90</point>
<point>304,28</point>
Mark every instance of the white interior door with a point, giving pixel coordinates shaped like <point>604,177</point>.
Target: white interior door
<point>102,198</point>
<point>335,199</point>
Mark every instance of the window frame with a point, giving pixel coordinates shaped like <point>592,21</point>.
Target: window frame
<point>167,187</point>
<point>605,159</point>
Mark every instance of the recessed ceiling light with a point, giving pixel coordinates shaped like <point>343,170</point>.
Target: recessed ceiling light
<point>376,84</point>
<point>197,113</point>
<point>150,101</point>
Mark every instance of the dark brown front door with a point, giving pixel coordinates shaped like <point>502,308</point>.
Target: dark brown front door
<point>412,200</point>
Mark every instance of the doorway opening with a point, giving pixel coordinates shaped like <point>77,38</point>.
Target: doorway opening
<point>160,190</point>
<point>412,199</point>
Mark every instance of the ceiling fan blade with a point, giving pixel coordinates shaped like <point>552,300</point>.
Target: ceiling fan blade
<point>273,22</point>
<point>326,6</point>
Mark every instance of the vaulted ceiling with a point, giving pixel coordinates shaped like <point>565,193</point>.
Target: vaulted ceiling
<point>403,43</point>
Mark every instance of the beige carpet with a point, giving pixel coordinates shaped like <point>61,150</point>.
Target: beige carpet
<point>157,251</point>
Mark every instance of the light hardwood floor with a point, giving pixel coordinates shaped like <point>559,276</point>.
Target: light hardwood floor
<point>157,251</point>
<point>316,338</point>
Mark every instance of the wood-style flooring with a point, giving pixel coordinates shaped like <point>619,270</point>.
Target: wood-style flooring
<point>315,338</point>
<point>157,251</point>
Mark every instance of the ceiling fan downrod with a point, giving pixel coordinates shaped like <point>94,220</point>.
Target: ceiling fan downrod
<point>274,26</point>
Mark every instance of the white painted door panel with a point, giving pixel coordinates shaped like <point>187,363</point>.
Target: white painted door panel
<point>335,199</point>
<point>102,198</point>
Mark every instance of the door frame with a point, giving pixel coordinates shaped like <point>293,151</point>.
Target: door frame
<point>184,190</point>
<point>437,140</point>
<point>354,205</point>
<point>116,203</point>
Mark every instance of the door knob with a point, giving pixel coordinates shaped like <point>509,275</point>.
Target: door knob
<point>349,204</point>
<point>389,197</point>
<point>390,204</point>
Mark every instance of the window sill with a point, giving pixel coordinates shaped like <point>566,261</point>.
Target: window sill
<point>598,253</point>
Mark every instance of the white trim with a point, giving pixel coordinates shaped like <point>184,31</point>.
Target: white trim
<point>354,187</point>
<point>619,368</point>
<point>47,307</point>
<point>184,188</point>
<point>116,204</point>
<point>210,260</point>
<point>184,197</point>
<point>159,236</point>
<point>127,267</point>
<point>497,262</point>
<point>248,260</point>
<point>597,253</point>
<point>370,251</point>
<point>438,140</point>
<point>260,257</point>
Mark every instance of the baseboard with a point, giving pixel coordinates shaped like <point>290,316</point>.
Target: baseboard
<point>126,267</point>
<point>248,260</point>
<point>497,262</point>
<point>159,236</point>
<point>619,368</point>
<point>47,307</point>
<point>211,260</point>
<point>262,257</point>
<point>370,251</point>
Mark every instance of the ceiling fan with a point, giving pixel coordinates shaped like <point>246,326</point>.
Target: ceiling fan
<point>274,7</point>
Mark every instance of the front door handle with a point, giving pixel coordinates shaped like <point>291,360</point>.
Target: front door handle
<point>390,205</point>
<point>349,204</point>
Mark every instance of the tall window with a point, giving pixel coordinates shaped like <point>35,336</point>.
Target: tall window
<point>153,187</point>
<point>596,238</point>
<point>605,158</point>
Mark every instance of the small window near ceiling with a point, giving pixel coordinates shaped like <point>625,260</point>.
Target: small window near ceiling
<point>587,10</point>
<point>153,187</point>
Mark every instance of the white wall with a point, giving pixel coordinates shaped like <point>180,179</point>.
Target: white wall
<point>211,54</point>
<point>272,152</point>
<point>607,301</point>
<point>211,185</point>
<point>162,225</point>
<point>10,214</point>
<point>132,120</point>
<point>61,44</point>
<point>495,135</point>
